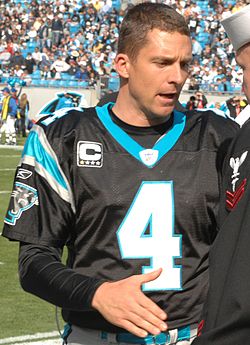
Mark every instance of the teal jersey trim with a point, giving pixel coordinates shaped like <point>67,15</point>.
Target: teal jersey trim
<point>161,147</point>
<point>34,148</point>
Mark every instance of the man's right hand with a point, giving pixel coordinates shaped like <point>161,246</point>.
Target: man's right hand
<point>124,304</point>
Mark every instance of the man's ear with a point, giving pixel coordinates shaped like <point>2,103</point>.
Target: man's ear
<point>122,64</point>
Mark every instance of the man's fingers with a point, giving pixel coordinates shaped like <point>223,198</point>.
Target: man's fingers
<point>148,277</point>
<point>151,323</point>
<point>149,305</point>
<point>132,328</point>
<point>125,305</point>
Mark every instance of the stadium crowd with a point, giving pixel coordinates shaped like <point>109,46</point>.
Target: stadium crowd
<point>73,43</point>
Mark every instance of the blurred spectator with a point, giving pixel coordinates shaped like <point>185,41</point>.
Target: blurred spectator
<point>17,59</point>
<point>44,34</point>
<point>57,29</point>
<point>8,110</point>
<point>45,73</point>
<point>24,107</point>
<point>235,106</point>
<point>197,48</point>
<point>201,100</point>
<point>191,103</point>
<point>82,73</point>
<point>37,56</point>
<point>32,33</point>
<point>30,63</point>
<point>60,65</point>
<point>75,18</point>
<point>15,95</point>
<point>54,74</point>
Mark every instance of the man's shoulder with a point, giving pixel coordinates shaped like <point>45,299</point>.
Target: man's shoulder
<point>67,118</point>
<point>242,139</point>
<point>208,118</point>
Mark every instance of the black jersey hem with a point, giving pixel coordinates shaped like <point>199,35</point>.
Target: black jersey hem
<point>15,236</point>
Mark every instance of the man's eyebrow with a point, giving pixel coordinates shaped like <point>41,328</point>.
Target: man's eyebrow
<point>172,58</point>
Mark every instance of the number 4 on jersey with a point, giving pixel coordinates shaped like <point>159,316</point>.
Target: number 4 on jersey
<point>147,231</point>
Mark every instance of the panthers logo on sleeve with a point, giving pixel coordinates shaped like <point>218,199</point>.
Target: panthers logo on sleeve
<point>23,198</point>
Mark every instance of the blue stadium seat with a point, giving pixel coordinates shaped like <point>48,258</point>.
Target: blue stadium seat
<point>36,82</point>
<point>25,52</point>
<point>44,82</point>
<point>52,82</point>
<point>73,83</point>
<point>66,76</point>
<point>36,74</point>
<point>83,84</point>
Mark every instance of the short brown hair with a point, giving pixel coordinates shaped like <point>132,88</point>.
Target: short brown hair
<point>144,17</point>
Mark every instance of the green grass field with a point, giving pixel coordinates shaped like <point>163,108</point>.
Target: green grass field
<point>21,313</point>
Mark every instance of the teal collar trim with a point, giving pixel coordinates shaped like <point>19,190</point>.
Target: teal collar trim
<point>148,157</point>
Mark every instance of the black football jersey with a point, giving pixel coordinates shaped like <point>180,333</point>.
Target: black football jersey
<point>227,309</point>
<point>123,209</point>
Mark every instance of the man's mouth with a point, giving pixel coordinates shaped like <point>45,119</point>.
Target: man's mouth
<point>168,96</point>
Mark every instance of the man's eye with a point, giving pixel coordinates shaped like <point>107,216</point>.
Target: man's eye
<point>186,65</point>
<point>161,64</point>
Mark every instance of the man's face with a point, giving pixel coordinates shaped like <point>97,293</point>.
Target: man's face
<point>243,59</point>
<point>156,77</point>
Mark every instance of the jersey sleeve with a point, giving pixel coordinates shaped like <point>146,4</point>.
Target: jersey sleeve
<point>41,205</point>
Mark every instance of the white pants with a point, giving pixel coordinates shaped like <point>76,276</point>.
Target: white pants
<point>8,127</point>
<point>80,336</point>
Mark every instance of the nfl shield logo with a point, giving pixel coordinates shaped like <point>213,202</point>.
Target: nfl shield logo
<point>149,156</point>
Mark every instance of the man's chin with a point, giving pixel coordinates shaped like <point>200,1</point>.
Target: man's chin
<point>168,108</point>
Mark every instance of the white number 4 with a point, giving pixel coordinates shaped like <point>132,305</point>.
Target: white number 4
<point>153,209</point>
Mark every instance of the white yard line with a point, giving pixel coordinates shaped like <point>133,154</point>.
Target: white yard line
<point>5,191</point>
<point>13,147</point>
<point>41,339</point>
<point>12,156</point>
<point>7,169</point>
<point>42,342</point>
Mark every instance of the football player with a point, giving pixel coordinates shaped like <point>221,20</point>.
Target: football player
<point>227,311</point>
<point>131,188</point>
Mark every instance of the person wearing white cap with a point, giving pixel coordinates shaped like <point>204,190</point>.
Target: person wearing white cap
<point>227,309</point>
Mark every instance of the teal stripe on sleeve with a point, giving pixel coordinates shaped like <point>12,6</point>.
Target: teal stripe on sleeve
<point>34,148</point>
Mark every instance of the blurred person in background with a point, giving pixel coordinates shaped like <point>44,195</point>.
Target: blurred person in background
<point>235,106</point>
<point>191,103</point>
<point>200,99</point>
<point>24,108</point>
<point>8,117</point>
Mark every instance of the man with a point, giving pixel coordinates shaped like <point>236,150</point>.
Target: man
<point>8,117</point>
<point>201,100</point>
<point>15,96</point>
<point>227,312</point>
<point>131,189</point>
